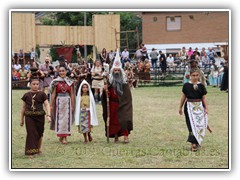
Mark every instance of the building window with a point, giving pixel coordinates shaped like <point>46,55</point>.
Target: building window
<point>173,23</point>
<point>154,19</point>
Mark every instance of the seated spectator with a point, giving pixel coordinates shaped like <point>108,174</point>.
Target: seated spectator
<point>170,62</point>
<point>190,52</point>
<point>23,74</point>
<point>27,66</point>
<point>177,60</point>
<point>202,53</point>
<point>183,55</point>
<point>196,52</point>
<point>211,54</point>
<point>110,56</point>
<point>205,61</point>
<point>15,75</point>
<point>17,66</point>
<point>125,56</point>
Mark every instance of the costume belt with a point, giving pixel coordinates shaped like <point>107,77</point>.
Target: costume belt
<point>63,94</point>
<point>34,113</point>
<point>85,109</point>
<point>194,100</point>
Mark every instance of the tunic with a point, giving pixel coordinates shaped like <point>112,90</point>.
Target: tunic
<point>190,93</point>
<point>98,81</point>
<point>34,120</point>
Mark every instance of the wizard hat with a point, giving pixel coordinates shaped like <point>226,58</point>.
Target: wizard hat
<point>117,61</point>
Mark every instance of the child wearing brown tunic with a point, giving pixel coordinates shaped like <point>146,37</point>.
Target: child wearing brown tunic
<point>33,113</point>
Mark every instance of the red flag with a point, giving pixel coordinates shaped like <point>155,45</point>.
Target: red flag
<point>66,52</point>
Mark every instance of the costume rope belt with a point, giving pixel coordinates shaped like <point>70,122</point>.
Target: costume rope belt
<point>194,100</point>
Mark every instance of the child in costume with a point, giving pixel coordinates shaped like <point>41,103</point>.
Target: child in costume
<point>85,112</point>
<point>195,109</point>
<point>33,115</point>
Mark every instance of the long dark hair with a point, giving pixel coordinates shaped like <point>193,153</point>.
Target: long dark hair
<point>82,91</point>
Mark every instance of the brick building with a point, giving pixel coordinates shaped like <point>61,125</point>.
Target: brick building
<point>168,31</point>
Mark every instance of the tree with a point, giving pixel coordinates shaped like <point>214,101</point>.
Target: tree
<point>128,21</point>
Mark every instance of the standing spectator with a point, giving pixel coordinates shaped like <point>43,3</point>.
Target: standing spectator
<point>144,52</point>
<point>218,51</point>
<point>17,66</point>
<point>13,57</point>
<point>45,68</point>
<point>21,56</point>
<point>220,75</point>
<point>33,55</point>
<point>163,62</point>
<point>138,53</point>
<point>214,75</point>
<point>154,57</point>
<point>103,56</point>
<point>190,52</point>
<point>224,84</point>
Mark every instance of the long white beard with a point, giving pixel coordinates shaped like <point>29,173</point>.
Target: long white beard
<point>117,83</point>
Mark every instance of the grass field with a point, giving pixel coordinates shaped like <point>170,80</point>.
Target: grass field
<point>157,141</point>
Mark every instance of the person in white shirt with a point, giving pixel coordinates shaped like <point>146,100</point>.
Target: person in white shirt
<point>17,66</point>
<point>125,56</point>
<point>33,55</point>
<point>170,61</point>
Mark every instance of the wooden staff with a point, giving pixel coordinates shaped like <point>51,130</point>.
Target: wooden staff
<point>209,129</point>
<point>108,110</point>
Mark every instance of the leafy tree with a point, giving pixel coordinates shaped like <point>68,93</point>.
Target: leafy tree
<point>128,21</point>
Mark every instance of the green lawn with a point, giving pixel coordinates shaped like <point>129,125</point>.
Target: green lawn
<point>157,141</point>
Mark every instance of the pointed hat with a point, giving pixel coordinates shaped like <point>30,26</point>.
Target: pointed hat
<point>117,61</point>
